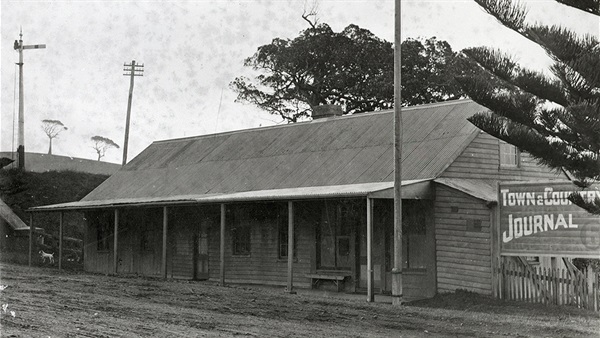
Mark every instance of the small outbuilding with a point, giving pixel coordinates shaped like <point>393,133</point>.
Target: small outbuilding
<point>311,204</point>
<point>14,236</point>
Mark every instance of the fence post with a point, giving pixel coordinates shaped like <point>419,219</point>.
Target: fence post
<point>553,286</point>
<point>548,286</point>
<point>596,287</point>
<point>501,279</point>
<point>512,281</point>
<point>589,287</point>
<point>563,290</point>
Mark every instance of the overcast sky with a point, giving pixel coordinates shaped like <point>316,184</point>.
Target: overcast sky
<point>192,50</point>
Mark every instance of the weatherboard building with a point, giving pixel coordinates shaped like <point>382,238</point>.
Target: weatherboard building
<point>222,207</point>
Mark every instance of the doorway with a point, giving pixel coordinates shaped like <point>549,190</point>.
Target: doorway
<point>200,256</point>
<point>336,234</point>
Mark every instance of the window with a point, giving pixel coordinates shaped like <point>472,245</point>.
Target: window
<point>414,236</point>
<point>282,222</point>
<point>338,220</point>
<point>146,240</point>
<point>509,155</point>
<point>240,232</point>
<point>279,215</point>
<point>104,227</point>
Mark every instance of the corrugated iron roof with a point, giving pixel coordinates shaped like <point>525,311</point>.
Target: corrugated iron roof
<point>481,189</point>
<point>11,218</point>
<point>333,191</point>
<point>339,151</point>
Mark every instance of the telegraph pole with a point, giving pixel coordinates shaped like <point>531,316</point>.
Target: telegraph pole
<point>21,146</point>
<point>398,259</point>
<point>132,70</point>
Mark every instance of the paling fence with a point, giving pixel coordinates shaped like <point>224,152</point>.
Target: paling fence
<point>549,286</point>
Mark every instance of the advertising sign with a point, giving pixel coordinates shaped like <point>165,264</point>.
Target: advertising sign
<point>537,219</point>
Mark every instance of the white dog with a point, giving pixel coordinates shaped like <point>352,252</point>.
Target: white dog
<point>44,255</point>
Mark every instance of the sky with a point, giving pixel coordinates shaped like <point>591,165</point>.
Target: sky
<point>191,51</point>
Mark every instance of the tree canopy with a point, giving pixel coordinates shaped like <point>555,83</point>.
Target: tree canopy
<point>352,68</point>
<point>102,144</point>
<point>554,118</point>
<point>52,128</point>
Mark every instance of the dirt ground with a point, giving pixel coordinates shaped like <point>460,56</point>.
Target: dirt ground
<point>49,303</point>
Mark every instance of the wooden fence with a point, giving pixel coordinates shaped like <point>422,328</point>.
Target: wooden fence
<point>549,286</point>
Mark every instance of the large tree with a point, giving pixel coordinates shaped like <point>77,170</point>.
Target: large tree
<point>554,118</point>
<point>52,128</point>
<point>352,68</point>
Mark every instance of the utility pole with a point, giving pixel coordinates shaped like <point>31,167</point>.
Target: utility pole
<point>398,259</point>
<point>21,146</point>
<point>132,70</point>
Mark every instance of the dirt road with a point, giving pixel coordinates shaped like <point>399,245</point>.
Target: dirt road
<point>47,303</point>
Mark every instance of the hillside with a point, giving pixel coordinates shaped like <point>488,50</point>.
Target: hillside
<point>37,162</point>
<point>22,190</point>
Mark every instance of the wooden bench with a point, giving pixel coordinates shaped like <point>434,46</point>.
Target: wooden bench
<point>336,277</point>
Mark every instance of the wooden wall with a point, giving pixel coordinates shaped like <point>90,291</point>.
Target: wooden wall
<point>421,283</point>
<point>132,257</point>
<point>95,261</point>
<point>263,265</point>
<point>481,160</point>
<point>186,223</point>
<point>463,242</point>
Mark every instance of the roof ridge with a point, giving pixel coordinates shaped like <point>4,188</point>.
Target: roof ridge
<point>338,118</point>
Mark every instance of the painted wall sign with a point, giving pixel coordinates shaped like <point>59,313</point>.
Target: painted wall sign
<point>537,219</point>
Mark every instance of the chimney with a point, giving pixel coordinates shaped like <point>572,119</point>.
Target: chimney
<point>326,110</point>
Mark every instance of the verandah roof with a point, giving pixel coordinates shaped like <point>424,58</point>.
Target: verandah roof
<point>413,189</point>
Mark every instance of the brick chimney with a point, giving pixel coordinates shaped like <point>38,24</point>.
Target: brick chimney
<point>326,110</point>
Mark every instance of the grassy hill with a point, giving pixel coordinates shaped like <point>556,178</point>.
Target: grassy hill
<point>23,189</point>
<point>37,162</point>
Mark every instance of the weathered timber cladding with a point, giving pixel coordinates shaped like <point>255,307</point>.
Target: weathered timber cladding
<point>263,264</point>
<point>95,261</point>
<point>421,283</point>
<point>481,160</point>
<point>186,224</point>
<point>139,243</point>
<point>462,242</point>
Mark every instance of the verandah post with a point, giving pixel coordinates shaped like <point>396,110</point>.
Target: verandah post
<point>164,242</point>
<point>30,238</point>
<point>222,246</point>
<point>115,242</point>
<point>370,295</point>
<point>290,250</point>
<point>60,240</point>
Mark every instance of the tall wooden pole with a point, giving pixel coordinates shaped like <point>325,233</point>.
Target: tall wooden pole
<point>370,284</point>
<point>397,270</point>
<point>134,70</point>
<point>21,146</point>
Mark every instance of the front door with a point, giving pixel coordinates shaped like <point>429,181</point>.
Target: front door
<point>383,228</point>
<point>201,251</point>
<point>335,235</point>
